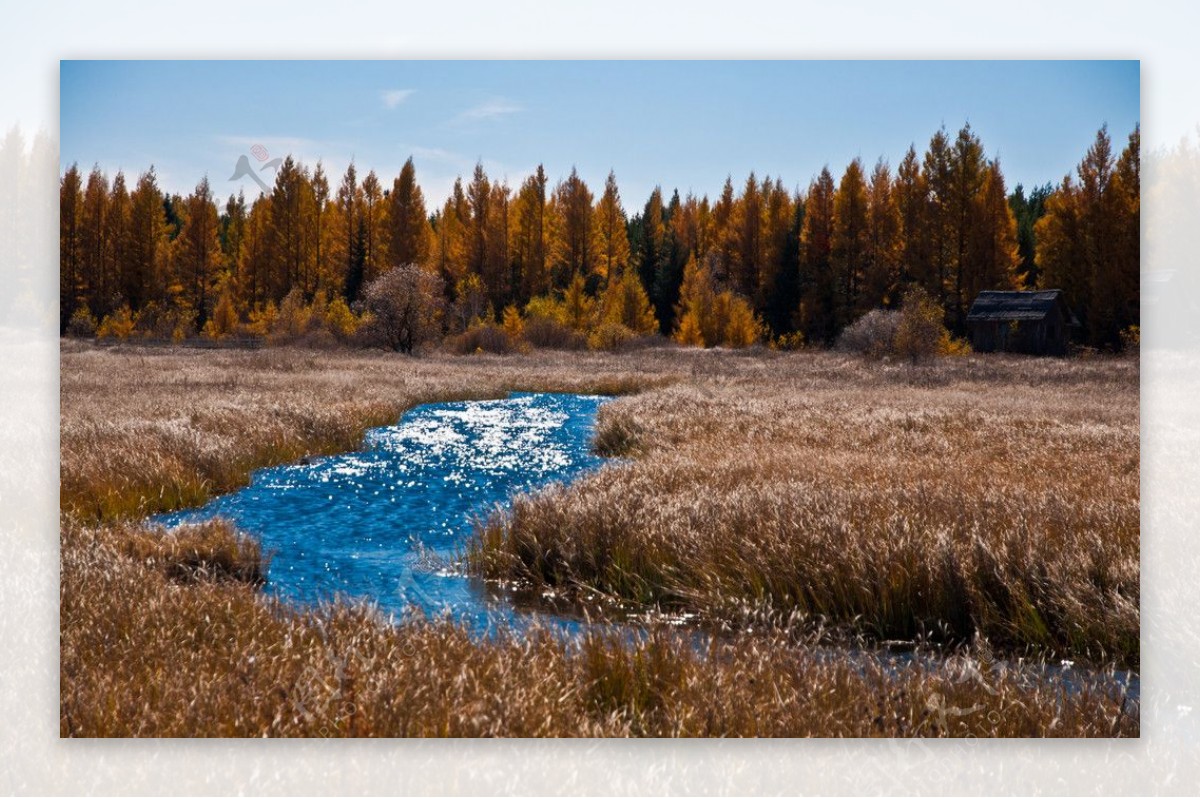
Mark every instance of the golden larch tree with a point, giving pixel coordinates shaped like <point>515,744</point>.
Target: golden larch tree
<point>409,239</point>
<point>848,247</point>
<point>881,274</point>
<point>571,242</point>
<point>815,314</point>
<point>612,240</point>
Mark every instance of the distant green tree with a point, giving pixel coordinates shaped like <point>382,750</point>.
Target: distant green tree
<point>652,253</point>
<point>357,265</point>
<point>1028,209</point>
<point>815,314</point>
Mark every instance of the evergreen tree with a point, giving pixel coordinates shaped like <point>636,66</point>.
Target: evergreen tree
<point>848,247</point>
<point>317,281</point>
<point>374,213</point>
<point>95,266</point>
<point>653,255</point>
<point>720,262</point>
<point>1028,210</point>
<point>479,193</point>
<point>810,263</point>
<point>695,318</point>
<point>71,285</point>
<point>497,267</point>
<point>625,302</point>
<point>346,205</point>
<point>748,239</point>
<point>992,250</point>
<point>711,317</point>
<point>120,220</point>
<point>452,233</point>
<point>578,306</point>
<point>664,291</point>
<point>1087,243</point>
<point>913,205</point>
<point>612,241</point>
<point>529,246</point>
<point>968,170</point>
<point>233,224</point>
<point>199,254</point>
<point>357,267</point>
<point>148,233</point>
<point>815,316</point>
<point>291,204</point>
<point>1087,240</point>
<point>881,276</point>
<point>254,265</point>
<point>409,234</point>
<point>939,215</point>
<point>571,244</point>
<point>777,295</point>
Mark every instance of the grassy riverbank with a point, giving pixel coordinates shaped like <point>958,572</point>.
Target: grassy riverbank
<point>990,496</point>
<point>171,637</point>
<point>146,430</point>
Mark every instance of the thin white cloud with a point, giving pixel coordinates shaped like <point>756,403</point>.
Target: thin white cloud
<point>490,109</point>
<point>394,97</point>
<point>276,145</point>
<point>433,154</point>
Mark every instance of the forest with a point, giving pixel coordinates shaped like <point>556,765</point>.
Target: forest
<point>567,265</point>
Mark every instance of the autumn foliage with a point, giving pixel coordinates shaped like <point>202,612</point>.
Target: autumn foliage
<point>562,263</point>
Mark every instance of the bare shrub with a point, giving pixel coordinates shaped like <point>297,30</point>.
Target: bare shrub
<point>405,308</point>
<point>873,335</point>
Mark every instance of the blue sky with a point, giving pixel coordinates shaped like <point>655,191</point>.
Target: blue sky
<point>678,124</point>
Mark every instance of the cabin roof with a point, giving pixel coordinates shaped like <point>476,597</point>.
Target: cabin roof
<point>1018,306</point>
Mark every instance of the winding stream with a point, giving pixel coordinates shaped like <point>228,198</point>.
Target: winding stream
<point>388,522</point>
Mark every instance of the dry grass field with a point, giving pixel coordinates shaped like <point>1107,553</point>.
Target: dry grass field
<point>991,495</point>
<point>151,429</point>
<point>984,495</point>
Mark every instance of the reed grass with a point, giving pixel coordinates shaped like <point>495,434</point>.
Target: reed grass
<point>145,654</point>
<point>168,634</point>
<point>986,495</point>
<point>147,430</point>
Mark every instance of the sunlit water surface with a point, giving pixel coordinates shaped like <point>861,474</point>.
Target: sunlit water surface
<point>389,522</point>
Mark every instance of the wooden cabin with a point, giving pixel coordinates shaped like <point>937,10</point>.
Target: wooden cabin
<point>1031,322</point>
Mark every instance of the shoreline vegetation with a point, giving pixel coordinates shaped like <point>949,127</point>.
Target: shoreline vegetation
<point>993,498</point>
<point>996,495</point>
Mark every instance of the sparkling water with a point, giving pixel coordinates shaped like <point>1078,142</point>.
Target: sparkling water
<point>389,523</point>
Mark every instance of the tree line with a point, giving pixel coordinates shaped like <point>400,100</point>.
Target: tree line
<point>757,262</point>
